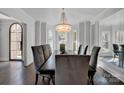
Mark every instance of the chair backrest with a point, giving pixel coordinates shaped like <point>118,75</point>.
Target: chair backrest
<point>38,56</point>
<point>49,48</point>
<point>71,69</point>
<point>85,50</point>
<point>122,47</point>
<point>94,57</point>
<point>121,54</point>
<point>62,47</point>
<point>47,51</point>
<point>80,49</point>
<point>115,47</point>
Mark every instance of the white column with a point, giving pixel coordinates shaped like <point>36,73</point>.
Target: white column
<point>96,39</point>
<point>69,41</point>
<point>37,33</point>
<point>0,42</point>
<point>81,33</point>
<point>84,34</point>
<point>56,41</point>
<point>87,35</point>
<point>43,33</point>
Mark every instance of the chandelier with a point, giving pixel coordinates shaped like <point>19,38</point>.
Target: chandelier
<point>63,26</point>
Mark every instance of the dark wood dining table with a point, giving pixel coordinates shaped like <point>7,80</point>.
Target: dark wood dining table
<point>51,61</point>
<point>51,64</point>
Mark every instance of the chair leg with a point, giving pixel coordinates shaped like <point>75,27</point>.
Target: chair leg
<point>91,77</point>
<point>92,82</point>
<point>53,81</point>
<point>36,79</point>
<point>114,56</point>
<point>88,81</point>
<point>43,77</point>
<point>49,80</point>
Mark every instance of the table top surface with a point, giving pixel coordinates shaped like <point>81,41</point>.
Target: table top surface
<point>51,61</point>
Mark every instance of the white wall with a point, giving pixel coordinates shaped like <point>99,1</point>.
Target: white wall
<point>4,44</point>
<point>30,33</point>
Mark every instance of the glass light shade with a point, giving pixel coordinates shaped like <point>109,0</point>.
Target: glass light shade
<point>63,28</point>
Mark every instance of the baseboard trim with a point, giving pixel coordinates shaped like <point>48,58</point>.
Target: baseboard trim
<point>4,60</point>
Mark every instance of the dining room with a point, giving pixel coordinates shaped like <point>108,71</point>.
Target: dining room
<point>80,46</point>
<point>61,46</point>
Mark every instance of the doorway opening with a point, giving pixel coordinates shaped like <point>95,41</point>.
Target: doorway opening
<point>15,42</point>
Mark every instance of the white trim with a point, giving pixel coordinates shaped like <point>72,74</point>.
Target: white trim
<point>4,59</point>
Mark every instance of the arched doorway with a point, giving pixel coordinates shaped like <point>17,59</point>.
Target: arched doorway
<point>15,42</point>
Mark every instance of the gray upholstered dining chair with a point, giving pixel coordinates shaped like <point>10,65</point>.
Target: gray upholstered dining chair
<point>121,56</point>
<point>115,50</point>
<point>85,50</point>
<point>39,62</point>
<point>93,63</point>
<point>38,56</point>
<point>80,49</point>
<point>62,48</point>
<point>71,69</point>
<point>47,51</point>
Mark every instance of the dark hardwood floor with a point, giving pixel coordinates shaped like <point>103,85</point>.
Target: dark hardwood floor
<point>14,73</point>
<point>104,78</point>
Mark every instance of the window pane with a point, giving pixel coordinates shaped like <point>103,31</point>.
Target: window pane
<point>13,46</point>
<point>18,37</point>
<point>105,41</point>
<point>18,28</point>
<point>119,37</point>
<point>62,38</point>
<point>15,41</point>
<point>18,46</point>
<point>13,55</point>
<point>13,28</point>
<point>75,36</point>
<point>74,40</point>
<point>50,38</point>
<point>13,36</point>
<point>19,55</point>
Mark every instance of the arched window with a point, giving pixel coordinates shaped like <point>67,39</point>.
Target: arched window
<point>15,41</point>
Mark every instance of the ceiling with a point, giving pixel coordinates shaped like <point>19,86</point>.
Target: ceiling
<point>52,15</point>
<point>2,16</point>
